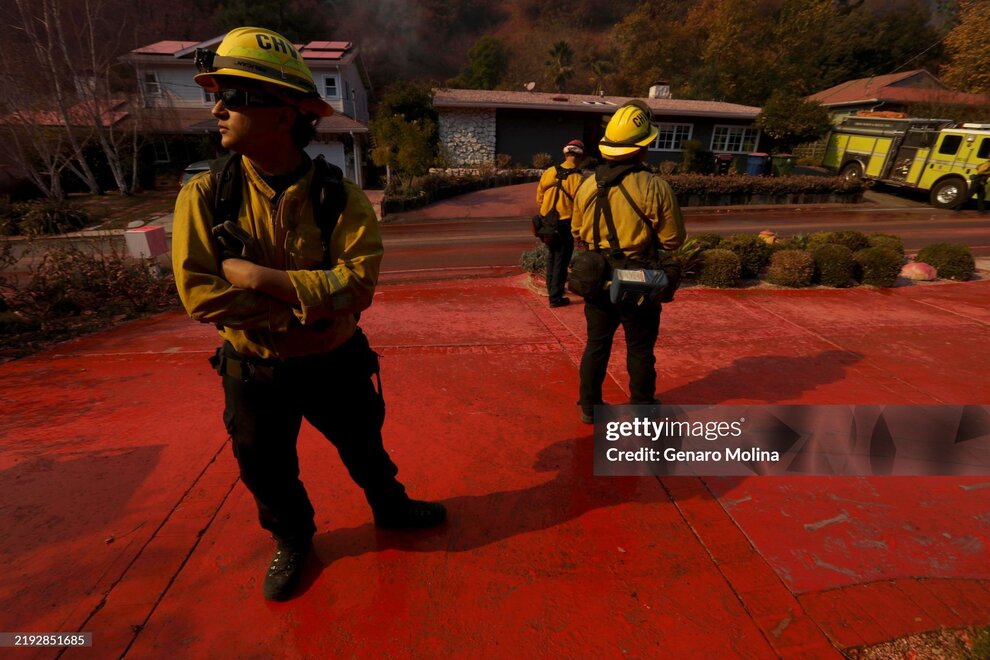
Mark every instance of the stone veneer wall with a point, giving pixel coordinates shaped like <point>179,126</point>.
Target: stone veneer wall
<point>468,135</point>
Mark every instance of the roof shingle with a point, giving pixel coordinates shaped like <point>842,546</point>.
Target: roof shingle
<point>480,98</point>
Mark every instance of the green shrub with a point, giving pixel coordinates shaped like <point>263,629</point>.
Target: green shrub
<point>542,160</point>
<point>694,159</point>
<point>10,218</point>
<point>719,268</point>
<point>888,241</point>
<point>798,242</point>
<point>822,238</point>
<point>754,253</point>
<point>688,256</point>
<point>854,240</point>
<point>503,161</point>
<point>792,268</point>
<point>49,217</point>
<point>834,265</point>
<point>707,241</point>
<point>953,261</point>
<point>878,266</point>
<point>534,261</point>
<point>780,245</point>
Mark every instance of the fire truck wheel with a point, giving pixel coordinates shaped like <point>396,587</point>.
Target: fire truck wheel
<point>852,171</point>
<point>948,193</point>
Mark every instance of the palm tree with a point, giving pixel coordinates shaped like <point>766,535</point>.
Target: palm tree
<point>559,64</point>
<point>600,69</point>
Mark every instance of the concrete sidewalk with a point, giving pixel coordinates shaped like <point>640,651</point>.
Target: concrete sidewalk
<point>123,515</point>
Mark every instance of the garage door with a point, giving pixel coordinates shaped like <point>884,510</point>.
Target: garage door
<point>332,151</point>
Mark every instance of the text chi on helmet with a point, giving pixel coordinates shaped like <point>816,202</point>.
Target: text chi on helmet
<point>264,56</point>
<point>630,129</point>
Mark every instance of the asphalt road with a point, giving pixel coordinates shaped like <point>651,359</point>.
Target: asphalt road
<point>492,246</point>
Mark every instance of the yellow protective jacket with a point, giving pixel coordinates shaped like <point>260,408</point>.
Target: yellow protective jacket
<point>654,198</point>
<point>287,238</point>
<point>545,190</point>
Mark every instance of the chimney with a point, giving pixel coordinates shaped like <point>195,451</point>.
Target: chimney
<point>660,90</point>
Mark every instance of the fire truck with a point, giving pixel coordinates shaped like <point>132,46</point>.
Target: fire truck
<point>935,155</point>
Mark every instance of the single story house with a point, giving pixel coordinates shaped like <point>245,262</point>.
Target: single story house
<point>476,125</point>
<point>894,92</point>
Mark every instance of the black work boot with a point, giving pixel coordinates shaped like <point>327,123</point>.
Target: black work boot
<point>410,514</point>
<point>284,570</point>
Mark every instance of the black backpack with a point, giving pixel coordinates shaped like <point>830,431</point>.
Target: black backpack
<point>327,189</point>
<point>545,226</point>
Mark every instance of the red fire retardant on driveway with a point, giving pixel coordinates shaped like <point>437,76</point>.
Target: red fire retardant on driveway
<point>122,514</point>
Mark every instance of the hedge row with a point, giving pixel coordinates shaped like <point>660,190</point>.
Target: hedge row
<point>832,259</point>
<point>685,185</point>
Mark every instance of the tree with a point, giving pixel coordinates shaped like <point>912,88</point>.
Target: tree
<point>487,63</point>
<point>297,20</point>
<point>968,46</point>
<point>600,70</point>
<point>663,40</point>
<point>63,64</point>
<point>559,65</point>
<point>404,132</point>
<point>43,39</point>
<point>790,120</point>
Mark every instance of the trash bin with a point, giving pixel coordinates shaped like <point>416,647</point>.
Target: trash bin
<point>782,165</point>
<point>723,163</point>
<point>756,164</point>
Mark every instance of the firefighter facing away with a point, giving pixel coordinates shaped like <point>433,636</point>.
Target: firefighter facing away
<point>646,220</point>
<point>555,197</point>
<point>282,255</point>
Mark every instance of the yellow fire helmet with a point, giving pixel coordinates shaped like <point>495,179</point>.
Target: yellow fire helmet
<point>265,56</point>
<point>629,129</point>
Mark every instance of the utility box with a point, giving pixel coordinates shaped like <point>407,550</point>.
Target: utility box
<point>146,242</point>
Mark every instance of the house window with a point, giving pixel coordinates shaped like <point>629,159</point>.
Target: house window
<point>672,136</point>
<point>152,87</point>
<point>331,87</point>
<point>161,151</point>
<point>734,139</point>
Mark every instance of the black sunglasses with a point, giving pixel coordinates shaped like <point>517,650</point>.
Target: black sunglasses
<point>233,99</point>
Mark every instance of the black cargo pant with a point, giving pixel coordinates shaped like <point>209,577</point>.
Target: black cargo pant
<point>558,260</point>
<point>642,326</point>
<point>265,403</point>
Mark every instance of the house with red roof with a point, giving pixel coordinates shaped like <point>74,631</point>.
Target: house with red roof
<point>178,109</point>
<point>476,125</point>
<point>894,92</point>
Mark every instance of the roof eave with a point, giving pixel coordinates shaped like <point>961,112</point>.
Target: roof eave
<point>602,110</point>
<point>856,102</point>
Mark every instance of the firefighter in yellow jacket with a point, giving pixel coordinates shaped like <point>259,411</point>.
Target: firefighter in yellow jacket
<point>285,304</point>
<point>555,198</point>
<point>647,219</point>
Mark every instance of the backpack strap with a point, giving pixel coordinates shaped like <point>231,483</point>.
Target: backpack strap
<point>226,172</point>
<point>604,209</point>
<point>328,195</point>
<point>562,174</point>
<point>646,221</point>
<point>329,201</point>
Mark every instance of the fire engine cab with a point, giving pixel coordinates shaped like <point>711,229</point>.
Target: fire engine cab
<point>935,155</point>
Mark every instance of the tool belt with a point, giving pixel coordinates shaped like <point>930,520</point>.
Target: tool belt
<point>352,358</point>
<point>229,362</point>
